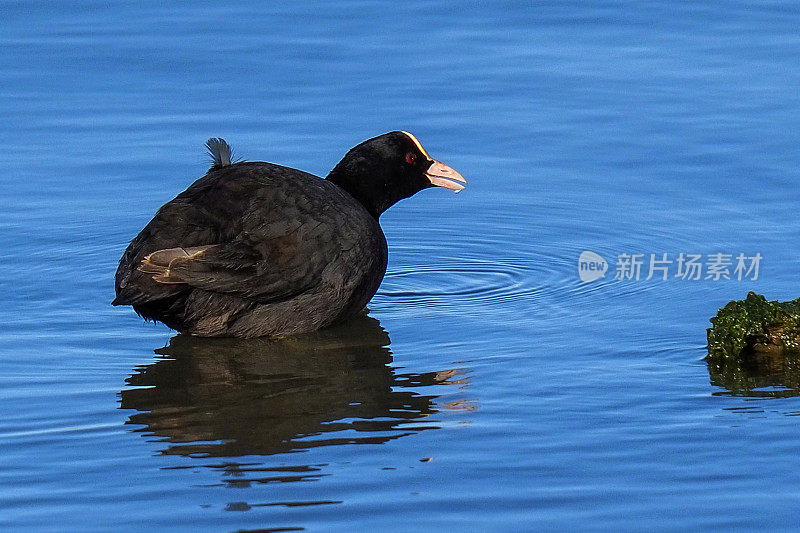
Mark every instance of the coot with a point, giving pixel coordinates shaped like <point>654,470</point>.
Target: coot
<point>254,249</point>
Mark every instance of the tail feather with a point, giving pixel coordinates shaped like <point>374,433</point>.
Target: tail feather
<point>220,152</point>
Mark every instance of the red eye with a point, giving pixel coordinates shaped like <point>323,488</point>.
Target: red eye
<point>411,157</point>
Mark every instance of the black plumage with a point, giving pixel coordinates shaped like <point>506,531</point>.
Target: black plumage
<point>257,249</point>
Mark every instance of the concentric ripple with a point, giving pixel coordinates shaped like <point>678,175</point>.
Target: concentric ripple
<point>477,280</point>
<point>475,284</point>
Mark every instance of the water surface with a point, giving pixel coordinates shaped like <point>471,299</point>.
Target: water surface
<point>488,388</point>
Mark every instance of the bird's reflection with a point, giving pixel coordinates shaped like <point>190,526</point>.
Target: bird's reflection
<point>757,373</point>
<point>233,397</point>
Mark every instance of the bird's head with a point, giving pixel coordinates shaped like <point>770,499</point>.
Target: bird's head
<point>384,170</point>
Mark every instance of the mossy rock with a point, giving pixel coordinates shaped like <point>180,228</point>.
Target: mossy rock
<point>754,347</point>
<point>755,324</point>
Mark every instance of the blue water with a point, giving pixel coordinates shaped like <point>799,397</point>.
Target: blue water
<point>490,389</point>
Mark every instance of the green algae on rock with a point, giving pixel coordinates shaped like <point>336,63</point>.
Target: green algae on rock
<point>754,347</point>
<point>755,324</point>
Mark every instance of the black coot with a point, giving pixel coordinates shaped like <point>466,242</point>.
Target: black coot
<point>256,249</point>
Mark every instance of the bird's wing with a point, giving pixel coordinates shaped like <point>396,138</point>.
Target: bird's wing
<point>261,269</point>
